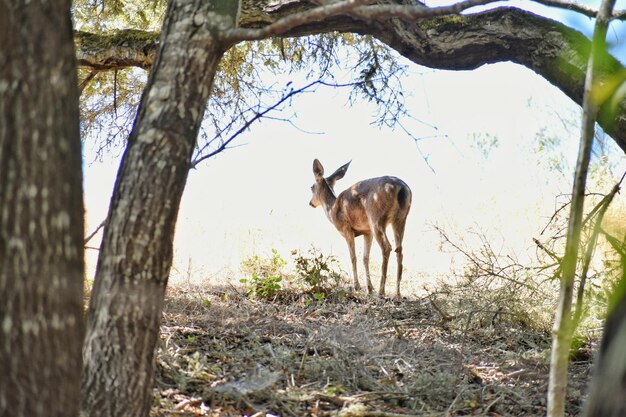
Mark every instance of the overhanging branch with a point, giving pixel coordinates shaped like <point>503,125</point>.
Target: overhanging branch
<point>257,116</point>
<point>358,8</point>
<point>549,48</point>
<point>580,8</point>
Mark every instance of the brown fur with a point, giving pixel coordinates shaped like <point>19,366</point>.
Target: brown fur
<point>366,209</point>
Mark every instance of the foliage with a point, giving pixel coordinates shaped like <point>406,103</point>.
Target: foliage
<point>265,275</point>
<point>619,245</point>
<point>317,272</point>
<point>262,286</point>
<point>110,100</point>
<point>266,266</point>
<point>552,149</point>
<point>598,265</point>
<point>484,143</point>
<point>108,107</point>
<point>502,286</point>
<point>495,286</point>
<point>105,15</point>
<point>317,275</point>
<point>328,61</point>
<point>334,58</point>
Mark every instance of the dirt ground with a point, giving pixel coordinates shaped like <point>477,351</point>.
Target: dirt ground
<point>222,354</point>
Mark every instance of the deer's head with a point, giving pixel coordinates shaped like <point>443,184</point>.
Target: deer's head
<point>322,189</point>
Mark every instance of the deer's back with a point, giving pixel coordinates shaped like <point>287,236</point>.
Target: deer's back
<point>377,200</point>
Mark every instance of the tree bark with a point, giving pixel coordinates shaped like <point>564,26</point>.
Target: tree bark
<point>554,51</point>
<point>563,328</point>
<point>41,212</point>
<point>136,250</point>
<point>607,396</point>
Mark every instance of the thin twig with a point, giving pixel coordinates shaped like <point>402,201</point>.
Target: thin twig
<point>92,234</point>
<point>445,316</point>
<point>546,250</point>
<point>452,404</point>
<point>84,83</point>
<point>580,8</point>
<point>190,402</point>
<point>256,117</point>
<point>115,92</point>
<point>411,13</point>
<point>259,114</point>
<point>601,209</point>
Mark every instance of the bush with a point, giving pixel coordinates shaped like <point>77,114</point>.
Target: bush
<point>495,287</point>
<point>265,275</point>
<point>317,272</point>
<point>264,267</point>
<point>262,287</point>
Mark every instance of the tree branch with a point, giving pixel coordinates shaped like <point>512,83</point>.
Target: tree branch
<point>549,48</point>
<point>224,145</point>
<point>95,232</point>
<point>117,49</point>
<point>357,8</point>
<point>260,114</point>
<point>411,13</point>
<point>580,8</point>
<point>84,83</point>
<point>563,324</point>
<point>289,22</point>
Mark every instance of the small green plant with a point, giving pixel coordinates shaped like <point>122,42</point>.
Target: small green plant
<point>335,388</point>
<point>318,272</point>
<point>262,287</point>
<point>319,297</point>
<point>264,267</point>
<point>265,275</point>
<point>89,282</point>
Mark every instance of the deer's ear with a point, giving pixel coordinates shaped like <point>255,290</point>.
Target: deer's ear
<point>318,169</point>
<point>337,175</point>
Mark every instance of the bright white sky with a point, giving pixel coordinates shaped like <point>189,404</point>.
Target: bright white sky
<point>253,198</point>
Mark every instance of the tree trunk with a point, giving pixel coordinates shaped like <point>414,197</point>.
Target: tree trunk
<point>607,396</point>
<point>563,324</point>
<point>136,251</point>
<point>41,212</point>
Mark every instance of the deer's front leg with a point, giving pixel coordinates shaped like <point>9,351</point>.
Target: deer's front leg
<point>350,241</point>
<point>366,260</point>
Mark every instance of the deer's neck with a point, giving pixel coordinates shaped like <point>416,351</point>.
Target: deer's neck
<point>328,200</point>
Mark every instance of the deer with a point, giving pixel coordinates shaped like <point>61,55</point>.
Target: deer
<point>367,208</point>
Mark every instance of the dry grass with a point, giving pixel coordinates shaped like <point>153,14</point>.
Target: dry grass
<point>225,355</point>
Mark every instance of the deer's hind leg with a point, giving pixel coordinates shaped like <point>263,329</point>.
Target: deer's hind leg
<point>385,246</point>
<point>398,235</point>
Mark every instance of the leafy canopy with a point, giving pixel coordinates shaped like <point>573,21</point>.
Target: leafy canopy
<point>246,83</point>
